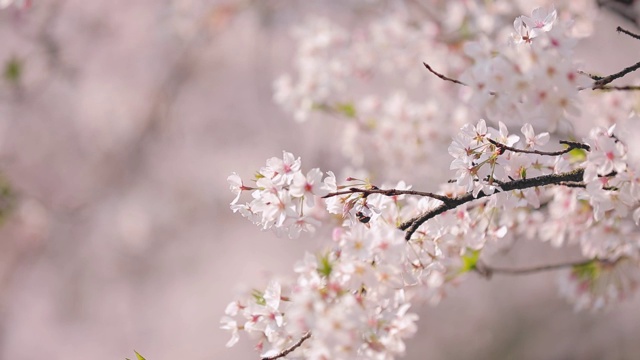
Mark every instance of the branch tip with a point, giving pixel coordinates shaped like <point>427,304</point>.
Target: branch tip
<point>290,349</point>
<point>441,76</point>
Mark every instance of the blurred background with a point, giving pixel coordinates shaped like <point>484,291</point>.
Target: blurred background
<point>119,124</point>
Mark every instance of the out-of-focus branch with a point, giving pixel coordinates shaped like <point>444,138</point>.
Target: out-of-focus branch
<point>443,77</point>
<point>592,76</point>
<point>488,271</point>
<point>620,88</point>
<point>290,349</point>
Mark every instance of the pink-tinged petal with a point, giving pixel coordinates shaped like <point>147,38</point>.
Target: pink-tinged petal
<point>636,216</point>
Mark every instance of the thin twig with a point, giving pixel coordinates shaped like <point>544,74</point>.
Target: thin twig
<point>412,225</point>
<point>607,79</point>
<point>487,271</point>
<point>573,184</point>
<point>619,88</point>
<point>600,82</point>
<point>571,145</point>
<point>575,145</point>
<point>592,76</point>
<point>443,77</point>
<point>578,184</point>
<point>290,349</point>
<point>388,192</point>
<point>627,32</point>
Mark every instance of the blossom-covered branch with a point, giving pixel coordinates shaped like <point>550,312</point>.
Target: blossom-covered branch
<point>412,225</point>
<point>599,84</point>
<point>388,192</point>
<point>571,145</point>
<point>392,246</point>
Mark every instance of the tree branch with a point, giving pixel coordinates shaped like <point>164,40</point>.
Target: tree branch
<point>627,32</point>
<point>599,84</point>
<point>388,192</point>
<point>488,271</point>
<point>412,225</point>
<point>619,88</point>
<point>443,77</point>
<point>571,145</point>
<point>290,349</point>
<point>592,76</point>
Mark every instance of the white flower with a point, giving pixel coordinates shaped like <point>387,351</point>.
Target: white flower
<point>541,20</point>
<point>281,170</point>
<point>308,186</point>
<point>598,285</point>
<point>236,186</point>
<point>528,28</point>
<point>230,324</point>
<point>531,139</point>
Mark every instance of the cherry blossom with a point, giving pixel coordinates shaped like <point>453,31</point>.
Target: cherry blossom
<point>393,247</point>
<point>527,28</point>
<point>283,198</point>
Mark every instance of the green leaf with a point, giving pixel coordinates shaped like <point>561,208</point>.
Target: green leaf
<point>346,109</point>
<point>470,260</point>
<point>325,267</point>
<point>523,173</point>
<point>13,70</point>
<point>138,356</point>
<point>7,199</point>
<point>578,155</point>
<point>588,271</point>
<point>258,296</point>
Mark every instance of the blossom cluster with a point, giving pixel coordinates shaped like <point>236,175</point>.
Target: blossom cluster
<point>596,286</point>
<point>354,297</point>
<point>283,197</point>
<point>533,79</point>
<point>336,66</point>
<point>395,247</point>
<point>601,202</point>
<point>352,301</point>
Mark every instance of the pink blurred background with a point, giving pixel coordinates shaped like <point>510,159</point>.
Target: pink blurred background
<point>117,139</point>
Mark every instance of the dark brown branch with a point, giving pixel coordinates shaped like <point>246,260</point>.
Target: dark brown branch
<point>413,224</point>
<point>592,76</point>
<point>578,184</point>
<point>570,146</point>
<point>619,88</point>
<point>388,192</point>
<point>290,349</point>
<point>627,32</point>
<point>573,184</point>
<point>575,145</point>
<point>599,84</point>
<point>443,77</point>
<point>487,271</point>
<point>608,79</point>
